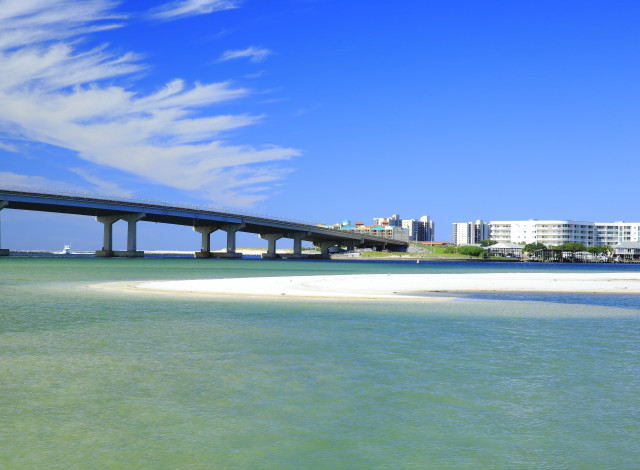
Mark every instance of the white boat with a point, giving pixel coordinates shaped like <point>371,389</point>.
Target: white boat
<point>66,250</point>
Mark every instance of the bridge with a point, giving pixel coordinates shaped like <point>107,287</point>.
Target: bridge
<point>204,220</point>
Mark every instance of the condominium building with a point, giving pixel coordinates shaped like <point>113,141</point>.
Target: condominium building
<point>467,233</point>
<point>547,232</point>
<point>393,221</point>
<point>387,231</point>
<point>558,232</point>
<point>611,233</point>
<point>421,230</point>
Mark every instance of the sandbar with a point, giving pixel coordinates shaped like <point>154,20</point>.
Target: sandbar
<point>401,286</point>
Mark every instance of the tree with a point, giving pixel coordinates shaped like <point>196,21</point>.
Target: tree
<point>601,249</point>
<point>572,246</point>
<point>471,250</point>
<point>533,247</point>
<point>488,242</point>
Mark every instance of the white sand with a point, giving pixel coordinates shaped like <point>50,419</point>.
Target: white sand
<point>394,285</point>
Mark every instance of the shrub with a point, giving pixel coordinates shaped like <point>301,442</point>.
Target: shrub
<point>471,250</point>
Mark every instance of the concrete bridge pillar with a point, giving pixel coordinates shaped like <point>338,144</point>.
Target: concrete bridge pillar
<point>206,231</point>
<point>231,230</point>
<point>324,248</point>
<point>271,238</point>
<point>3,252</point>
<point>132,219</point>
<point>107,243</point>
<point>297,243</point>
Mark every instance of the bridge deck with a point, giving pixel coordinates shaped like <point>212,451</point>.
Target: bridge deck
<point>181,215</point>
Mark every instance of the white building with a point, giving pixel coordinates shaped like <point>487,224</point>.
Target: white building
<point>628,250</point>
<point>611,233</point>
<point>467,233</point>
<point>558,232</point>
<point>421,230</point>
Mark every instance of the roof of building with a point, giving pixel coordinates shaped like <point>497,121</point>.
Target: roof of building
<point>628,245</point>
<point>506,245</point>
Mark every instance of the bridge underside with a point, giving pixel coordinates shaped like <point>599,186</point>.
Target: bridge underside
<point>107,212</point>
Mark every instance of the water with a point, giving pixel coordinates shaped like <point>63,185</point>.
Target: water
<point>95,380</point>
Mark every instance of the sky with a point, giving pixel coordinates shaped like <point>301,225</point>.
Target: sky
<point>320,110</point>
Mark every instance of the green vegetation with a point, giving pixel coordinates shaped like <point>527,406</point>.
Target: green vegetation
<point>533,247</point>
<point>434,253</point>
<point>488,242</point>
<point>602,249</point>
<point>471,250</point>
<point>573,246</point>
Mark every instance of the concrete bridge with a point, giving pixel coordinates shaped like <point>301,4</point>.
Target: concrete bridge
<point>203,220</point>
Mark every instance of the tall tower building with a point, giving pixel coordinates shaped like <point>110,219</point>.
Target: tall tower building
<point>467,233</point>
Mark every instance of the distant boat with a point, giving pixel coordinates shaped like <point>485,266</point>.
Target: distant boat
<point>66,250</point>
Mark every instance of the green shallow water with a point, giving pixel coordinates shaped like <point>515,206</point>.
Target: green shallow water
<point>95,380</point>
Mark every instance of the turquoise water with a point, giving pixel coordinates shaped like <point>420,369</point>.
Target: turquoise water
<point>91,379</point>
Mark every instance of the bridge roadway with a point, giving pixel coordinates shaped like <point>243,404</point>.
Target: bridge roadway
<point>203,220</point>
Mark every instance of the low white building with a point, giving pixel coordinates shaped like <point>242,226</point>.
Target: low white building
<point>610,233</point>
<point>558,232</point>
<point>547,232</point>
<point>627,250</point>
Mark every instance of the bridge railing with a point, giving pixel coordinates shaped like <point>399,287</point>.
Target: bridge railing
<point>97,197</point>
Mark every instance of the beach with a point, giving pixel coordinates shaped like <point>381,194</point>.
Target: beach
<point>402,286</point>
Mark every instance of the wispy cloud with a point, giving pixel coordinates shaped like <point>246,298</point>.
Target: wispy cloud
<point>182,8</point>
<point>53,92</point>
<point>8,147</point>
<point>101,185</point>
<point>254,54</point>
<point>37,182</point>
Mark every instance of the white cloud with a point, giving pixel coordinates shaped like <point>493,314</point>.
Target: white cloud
<point>15,180</point>
<point>8,147</point>
<point>254,54</point>
<point>101,185</point>
<point>179,9</point>
<point>53,92</point>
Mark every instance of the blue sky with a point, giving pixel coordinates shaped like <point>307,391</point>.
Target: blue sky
<point>321,110</point>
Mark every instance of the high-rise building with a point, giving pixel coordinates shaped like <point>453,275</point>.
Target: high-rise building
<point>467,233</point>
<point>421,230</point>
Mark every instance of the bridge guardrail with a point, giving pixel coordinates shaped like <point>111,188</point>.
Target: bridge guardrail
<point>96,197</point>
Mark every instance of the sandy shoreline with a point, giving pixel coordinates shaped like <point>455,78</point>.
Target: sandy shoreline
<point>398,286</point>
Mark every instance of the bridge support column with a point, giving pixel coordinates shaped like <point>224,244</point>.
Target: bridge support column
<point>231,230</point>
<point>324,248</point>
<point>271,238</point>
<point>206,231</point>
<point>107,243</point>
<point>297,245</point>
<point>107,246</point>
<point>132,220</point>
<point>3,252</point>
